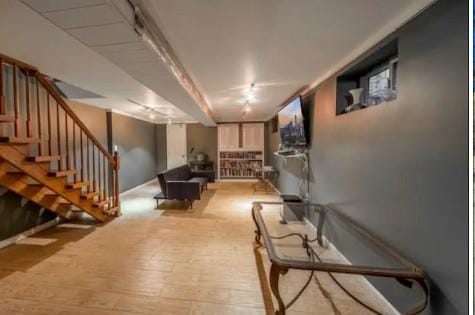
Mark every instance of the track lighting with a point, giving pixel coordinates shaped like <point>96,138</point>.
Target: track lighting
<point>153,37</point>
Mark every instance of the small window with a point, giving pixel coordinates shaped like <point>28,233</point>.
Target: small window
<point>370,81</point>
<point>382,84</point>
<point>378,84</point>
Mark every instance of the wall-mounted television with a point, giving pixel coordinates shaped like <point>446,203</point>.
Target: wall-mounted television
<point>291,125</point>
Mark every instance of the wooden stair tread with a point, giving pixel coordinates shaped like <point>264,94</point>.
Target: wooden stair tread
<point>100,204</point>
<point>90,195</point>
<point>43,158</point>
<point>77,185</point>
<point>62,173</point>
<point>51,196</point>
<point>19,140</point>
<point>16,173</point>
<point>33,189</point>
<point>7,118</point>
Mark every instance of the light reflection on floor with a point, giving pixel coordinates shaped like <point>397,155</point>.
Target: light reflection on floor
<point>139,202</point>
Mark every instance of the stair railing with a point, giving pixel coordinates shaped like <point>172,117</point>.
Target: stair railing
<point>39,111</point>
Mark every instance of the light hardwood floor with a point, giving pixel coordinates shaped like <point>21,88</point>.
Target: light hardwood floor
<point>153,261</point>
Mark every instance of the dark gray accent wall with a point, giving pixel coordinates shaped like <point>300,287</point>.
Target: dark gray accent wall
<point>400,168</point>
<point>203,139</point>
<point>161,149</point>
<point>94,118</point>
<point>136,143</point>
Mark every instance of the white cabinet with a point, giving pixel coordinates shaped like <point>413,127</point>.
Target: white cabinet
<point>228,137</point>
<point>253,136</point>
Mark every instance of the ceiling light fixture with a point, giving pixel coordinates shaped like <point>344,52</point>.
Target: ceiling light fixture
<point>249,98</point>
<point>151,110</point>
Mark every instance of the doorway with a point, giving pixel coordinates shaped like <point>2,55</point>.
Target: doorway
<point>176,145</point>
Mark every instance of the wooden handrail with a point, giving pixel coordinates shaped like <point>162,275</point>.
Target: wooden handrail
<point>17,62</point>
<point>59,99</point>
<point>70,112</point>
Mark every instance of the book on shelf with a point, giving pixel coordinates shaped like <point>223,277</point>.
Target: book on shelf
<point>240,163</point>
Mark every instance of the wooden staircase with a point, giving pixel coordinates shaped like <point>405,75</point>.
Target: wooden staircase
<point>47,154</point>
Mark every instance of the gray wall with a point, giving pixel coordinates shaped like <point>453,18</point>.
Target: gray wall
<point>400,169</point>
<point>137,150</point>
<point>203,139</point>
<point>161,147</point>
<point>93,117</point>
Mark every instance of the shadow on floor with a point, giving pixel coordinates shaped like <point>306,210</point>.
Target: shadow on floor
<point>21,257</point>
<point>182,208</point>
<point>265,290</point>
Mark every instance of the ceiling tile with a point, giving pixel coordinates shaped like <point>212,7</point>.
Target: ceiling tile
<point>105,35</point>
<point>56,5</point>
<point>120,47</point>
<point>87,16</point>
<point>132,56</point>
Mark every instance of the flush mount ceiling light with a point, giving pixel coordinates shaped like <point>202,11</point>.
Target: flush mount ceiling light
<point>249,98</point>
<point>250,95</point>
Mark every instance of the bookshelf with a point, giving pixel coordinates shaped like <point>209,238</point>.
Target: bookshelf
<point>240,149</point>
<point>240,163</point>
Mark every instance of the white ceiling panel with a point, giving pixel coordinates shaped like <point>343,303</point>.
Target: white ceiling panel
<point>225,45</point>
<point>57,5</point>
<point>120,47</point>
<point>132,56</point>
<point>105,34</point>
<point>59,55</point>
<point>85,16</point>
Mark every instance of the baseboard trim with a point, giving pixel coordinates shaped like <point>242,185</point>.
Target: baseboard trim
<point>137,187</point>
<point>237,180</point>
<point>28,233</point>
<point>366,282</point>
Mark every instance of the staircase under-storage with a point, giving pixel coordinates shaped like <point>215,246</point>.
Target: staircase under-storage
<point>47,154</point>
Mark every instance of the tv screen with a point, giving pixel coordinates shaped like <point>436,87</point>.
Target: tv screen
<point>291,125</point>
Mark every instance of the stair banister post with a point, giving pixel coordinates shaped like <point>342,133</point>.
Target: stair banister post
<point>116,178</point>
<point>2,93</point>
<point>16,101</point>
<point>28,103</point>
<point>38,114</point>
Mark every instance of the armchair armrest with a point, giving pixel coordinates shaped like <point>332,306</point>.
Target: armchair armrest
<point>182,190</point>
<point>210,174</point>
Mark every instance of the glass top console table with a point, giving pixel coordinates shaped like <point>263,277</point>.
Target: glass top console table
<point>309,239</point>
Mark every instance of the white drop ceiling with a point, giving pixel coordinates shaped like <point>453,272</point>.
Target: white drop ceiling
<point>280,45</point>
<point>93,46</point>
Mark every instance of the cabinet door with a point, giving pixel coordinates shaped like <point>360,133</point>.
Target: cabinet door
<point>228,136</point>
<point>253,136</point>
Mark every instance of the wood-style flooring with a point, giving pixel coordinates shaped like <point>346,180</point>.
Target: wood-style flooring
<point>152,261</point>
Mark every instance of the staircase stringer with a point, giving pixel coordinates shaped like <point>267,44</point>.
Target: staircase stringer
<point>16,158</point>
<point>21,187</point>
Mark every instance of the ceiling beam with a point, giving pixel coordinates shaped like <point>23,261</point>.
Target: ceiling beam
<point>145,26</point>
